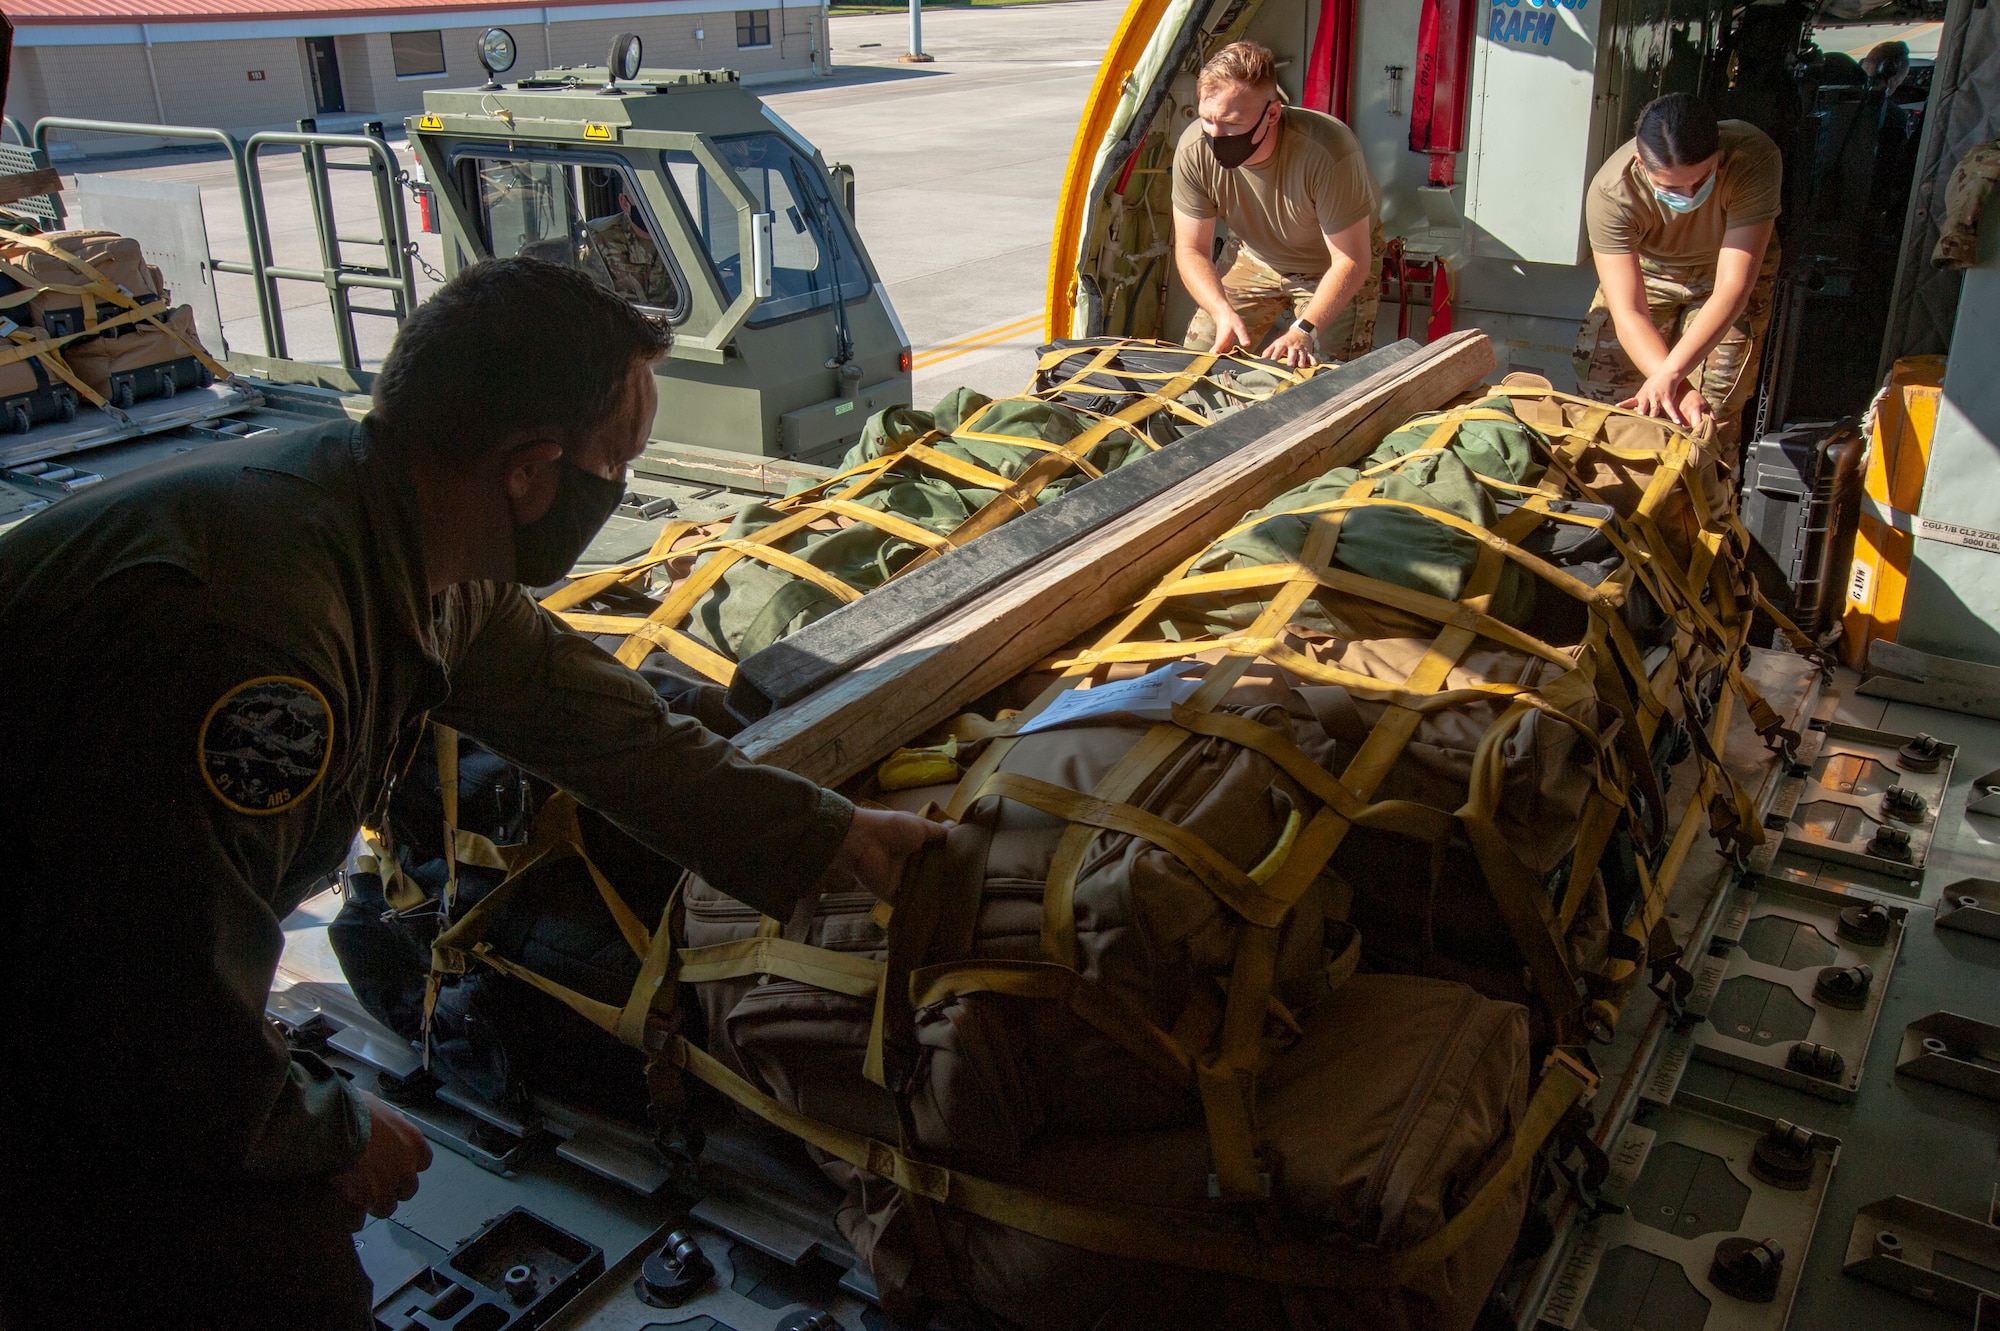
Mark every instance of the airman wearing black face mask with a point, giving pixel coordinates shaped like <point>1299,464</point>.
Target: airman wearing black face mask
<point>1303,269</point>
<point>213,669</point>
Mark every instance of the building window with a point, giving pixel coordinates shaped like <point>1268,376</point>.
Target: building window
<point>753,27</point>
<point>417,54</point>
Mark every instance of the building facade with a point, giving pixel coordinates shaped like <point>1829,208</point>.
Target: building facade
<point>244,65</point>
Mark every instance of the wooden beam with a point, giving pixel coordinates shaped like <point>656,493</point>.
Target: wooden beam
<point>897,695</point>
<point>812,658</point>
<point>27,185</point>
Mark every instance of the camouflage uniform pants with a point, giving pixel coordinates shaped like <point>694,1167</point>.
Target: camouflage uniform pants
<point>1268,301</point>
<point>1726,378</point>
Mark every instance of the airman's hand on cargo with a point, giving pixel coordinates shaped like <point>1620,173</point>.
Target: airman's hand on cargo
<point>1694,408</point>
<point>1230,330</point>
<point>1295,348</point>
<point>1669,395</point>
<point>387,1171</point>
<point>878,842</point>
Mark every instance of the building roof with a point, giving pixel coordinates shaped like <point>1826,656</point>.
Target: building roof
<point>24,13</point>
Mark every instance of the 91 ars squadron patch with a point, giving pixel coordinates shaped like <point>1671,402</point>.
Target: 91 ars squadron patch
<point>265,744</point>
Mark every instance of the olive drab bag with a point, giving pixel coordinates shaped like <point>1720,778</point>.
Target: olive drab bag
<point>917,483</point>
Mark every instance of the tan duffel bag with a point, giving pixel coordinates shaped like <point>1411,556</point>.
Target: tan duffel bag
<point>1390,1125</point>
<point>94,314</point>
<point>1386,1103</point>
<point>1618,454</point>
<point>144,361</point>
<point>802,1035</point>
<point>1026,1028</point>
<point>1151,937</point>
<point>1387,1126</point>
<point>63,302</point>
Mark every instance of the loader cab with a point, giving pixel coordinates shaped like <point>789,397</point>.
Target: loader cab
<point>681,191</point>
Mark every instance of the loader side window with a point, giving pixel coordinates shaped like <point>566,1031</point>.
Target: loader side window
<point>813,252</point>
<point>582,214</point>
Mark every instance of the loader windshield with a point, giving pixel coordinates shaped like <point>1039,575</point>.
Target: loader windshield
<point>813,252</point>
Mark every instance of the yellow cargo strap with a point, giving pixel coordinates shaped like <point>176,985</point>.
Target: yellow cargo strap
<point>1149,1234</point>
<point>378,857</point>
<point>1019,495</point>
<point>705,553</point>
<point>823,968</point>
<point>445,740</point>
<point>1187,1239</point>
<point>1111,1015</point>
<point>557,836</point>
<point>1232,886</point>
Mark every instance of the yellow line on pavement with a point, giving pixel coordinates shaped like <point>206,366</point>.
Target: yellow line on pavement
<point>979,341</point>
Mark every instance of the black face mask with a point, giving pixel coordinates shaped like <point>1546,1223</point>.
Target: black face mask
<point>546,549</point>
<point>1233,150</point>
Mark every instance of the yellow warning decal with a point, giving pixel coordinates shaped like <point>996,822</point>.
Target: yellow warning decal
<point>430,122</point>
<point>593,130</point>
<point>265,744</point>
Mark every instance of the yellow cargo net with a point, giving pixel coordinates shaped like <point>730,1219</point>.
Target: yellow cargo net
<point>1706,593</point>
<point>834,502</point>
<point>1675,538</point>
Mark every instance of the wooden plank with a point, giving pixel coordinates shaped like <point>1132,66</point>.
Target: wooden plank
<point>813,657</point>
<point>896,696</point>
<point>27,185</point>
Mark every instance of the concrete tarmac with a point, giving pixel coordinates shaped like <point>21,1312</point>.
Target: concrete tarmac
<point>958,166</point>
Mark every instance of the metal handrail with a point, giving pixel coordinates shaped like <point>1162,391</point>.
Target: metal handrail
<point>255,233</point>
<point>395,275</point>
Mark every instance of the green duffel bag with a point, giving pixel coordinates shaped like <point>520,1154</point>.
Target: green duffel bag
<point>916,484</point>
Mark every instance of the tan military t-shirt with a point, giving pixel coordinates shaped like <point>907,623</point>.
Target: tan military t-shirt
<point>1315,185</point>
<point>1625,217</point>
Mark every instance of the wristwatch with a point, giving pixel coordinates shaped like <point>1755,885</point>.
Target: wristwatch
<point>1305,326</point>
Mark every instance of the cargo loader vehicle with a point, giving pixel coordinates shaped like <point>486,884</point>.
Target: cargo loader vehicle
<point>784,339</point>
